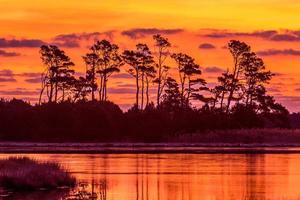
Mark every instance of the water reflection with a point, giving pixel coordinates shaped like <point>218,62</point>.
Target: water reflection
<point>180,176</point>
<point>39,195</point>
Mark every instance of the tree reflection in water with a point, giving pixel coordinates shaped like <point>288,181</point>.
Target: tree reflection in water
<point>84,191</point>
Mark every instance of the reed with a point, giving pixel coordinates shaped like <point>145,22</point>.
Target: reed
<point>22,173</point>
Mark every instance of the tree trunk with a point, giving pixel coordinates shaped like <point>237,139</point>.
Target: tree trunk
<point>142,104</point>
<point>147,91</point>
<point>232,84</point>
<point>137,88</point>
<point>51,92</point>
<point>56,89</point>
<point>100,88</point>
<point>93,83</point>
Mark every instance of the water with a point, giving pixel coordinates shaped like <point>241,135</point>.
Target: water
<point>176,176</point>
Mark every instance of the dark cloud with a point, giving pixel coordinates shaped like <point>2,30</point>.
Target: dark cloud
<point>225,34</point>
<point>126,85</point>
<point>137,33</point>
<point>4,80</point>
<point>19,92</point>
<point>123,90</point>
<point>29,74</point>
<point>287,35</point>
<point>73,40</point>
<point>33,80</point>
<point>121,75</point>
<point>206,46</point>
<point>127,90</point>
<point>8,54</point>
<point>16,43</point>
<point>213,69</point>
<point>274,89</point>
<point>7,75</point>
<point>274,52</point>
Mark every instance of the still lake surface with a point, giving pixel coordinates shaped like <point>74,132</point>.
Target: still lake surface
<point>175,176</point>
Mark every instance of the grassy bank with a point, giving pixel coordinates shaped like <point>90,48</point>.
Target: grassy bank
<point>270,137</point>
<point>26,174</point>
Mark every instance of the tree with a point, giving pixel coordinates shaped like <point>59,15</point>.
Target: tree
<point>172,97</point>
<point>57,72</point>
<point>225,81</point>
<point>237,50</point>
<point>81,89</point>
<point>108,61</point>
<point>162,45</point>
<point>92,63</point>
<point>147,70</point>
<point>149,76</point>
<point>187,69</point>
<point>255,76</point>
<point>141,63</point>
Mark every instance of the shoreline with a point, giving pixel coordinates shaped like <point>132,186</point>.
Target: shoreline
<point>147,148</point>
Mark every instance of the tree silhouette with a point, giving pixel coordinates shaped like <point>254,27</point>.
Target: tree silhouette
<point>237,50</point>
<point>162,45</point>
<point>150,73</point>
<point>81,89</point>
<point>172,96</point>
<point>57,73</point>
<point>92,63</point>
<point>187,69</point>
<point>147,70</point>
<point>255,76</point>
<point>106,57</point>
<point>141,63</point>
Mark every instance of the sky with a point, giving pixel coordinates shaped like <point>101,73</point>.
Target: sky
<point>198,28</point>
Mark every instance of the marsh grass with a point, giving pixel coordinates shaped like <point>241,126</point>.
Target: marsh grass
<point>278,137</point>
<point>22,173</point>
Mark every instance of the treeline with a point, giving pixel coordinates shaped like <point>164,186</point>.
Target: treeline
<point>244,84</point>
<point>77,108</point>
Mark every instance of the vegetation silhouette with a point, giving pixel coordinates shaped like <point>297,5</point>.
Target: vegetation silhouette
<point>69,109</point>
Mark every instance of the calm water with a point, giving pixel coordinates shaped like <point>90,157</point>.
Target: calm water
<point>177,176</point>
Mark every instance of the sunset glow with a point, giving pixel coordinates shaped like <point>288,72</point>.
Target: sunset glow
<point>198,28</point>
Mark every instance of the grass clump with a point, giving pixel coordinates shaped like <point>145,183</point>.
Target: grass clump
<point>27,174</point>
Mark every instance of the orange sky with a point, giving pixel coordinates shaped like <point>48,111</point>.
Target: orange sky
<point>188,24</point>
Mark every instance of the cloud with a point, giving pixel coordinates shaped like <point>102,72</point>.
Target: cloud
<point>275,52</point>
<point>29,74</point>
<point>21,43</point>
<point>4,80</point>
<point>127,90</point>
<point>206,46</point>
<point>7,75</point>
<point>126,85</point>
<point>121,75</point>
<point>72,40</point>
<point>8,54</point>
<point>33,80</point>
<point>19,92</point>
<point>6,72</point>
<point>213,69</point>
<point>123,90</point>
<point>137,33</point>
<point>226,33</point>
<point>285,37</point>
<point>272,35</point>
